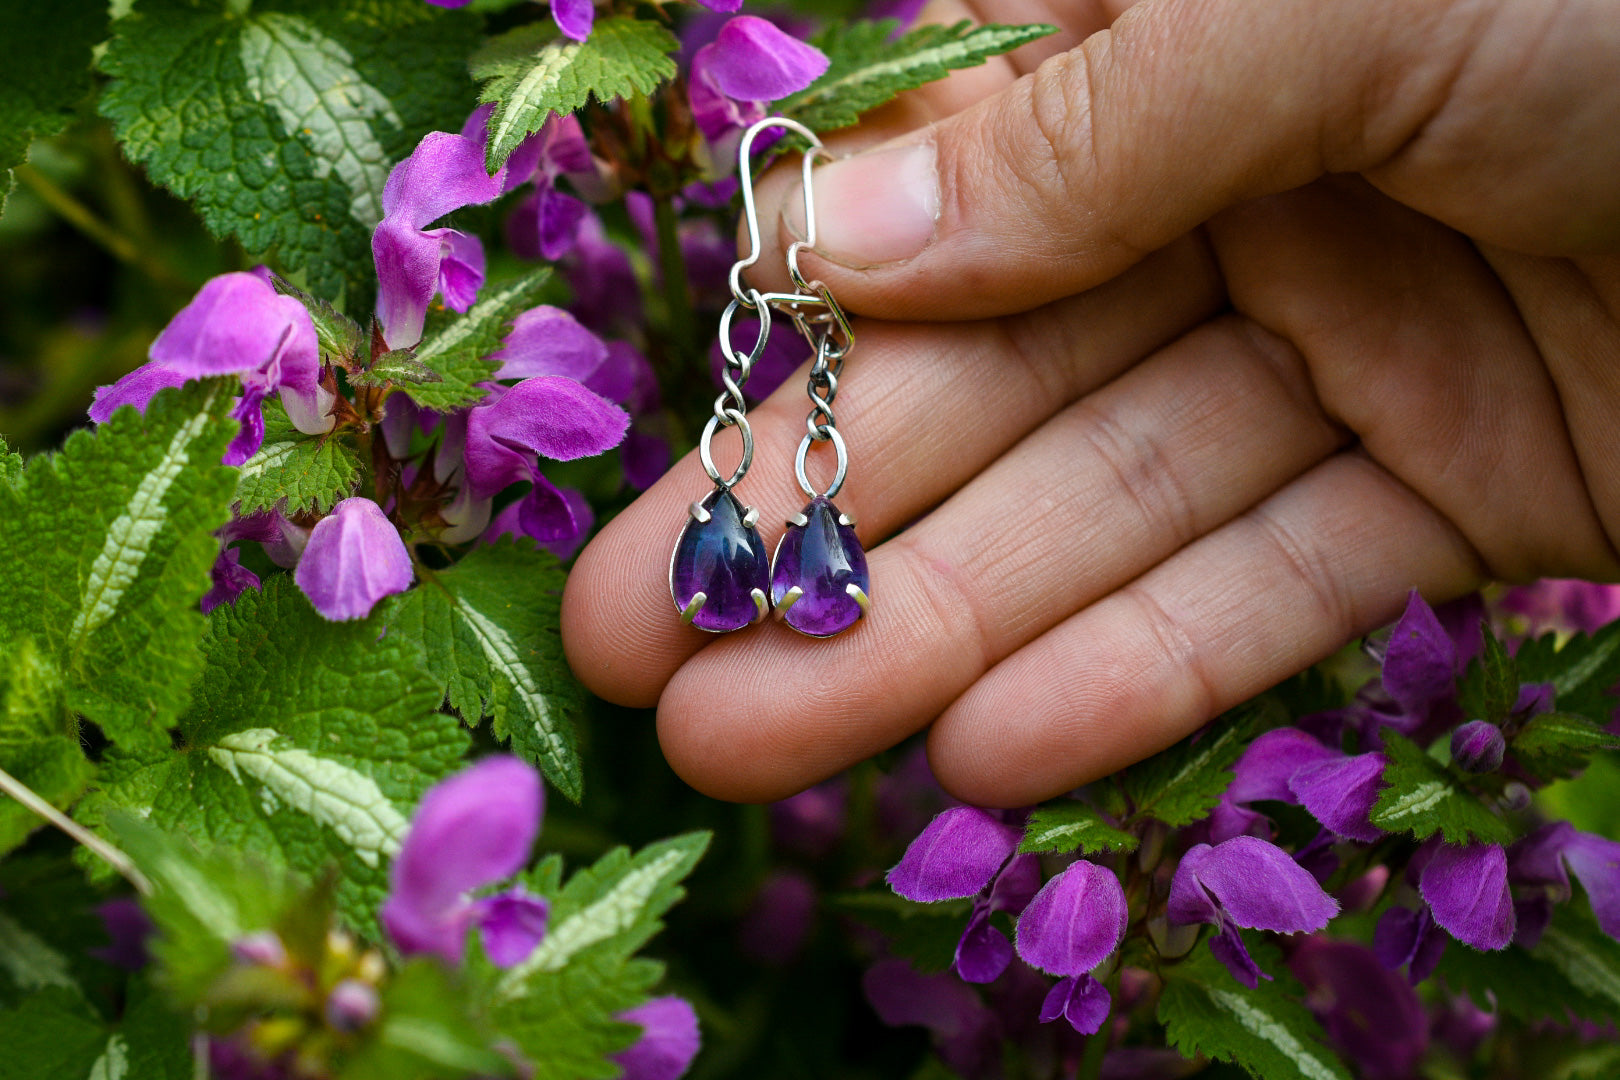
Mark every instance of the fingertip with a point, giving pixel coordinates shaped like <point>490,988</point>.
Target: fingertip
<point>591,641</point>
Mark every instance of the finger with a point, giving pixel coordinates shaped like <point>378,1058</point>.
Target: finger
<point>1330,556</point>
<point>1194,435</point>
<point>923,409</point>
<point>1181,108</point>
<point>1413,344</point>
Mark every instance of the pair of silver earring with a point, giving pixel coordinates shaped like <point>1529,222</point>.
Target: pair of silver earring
<point>817,581</point>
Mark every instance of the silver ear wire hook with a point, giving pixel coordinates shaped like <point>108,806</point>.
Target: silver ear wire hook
<point>745,177</point>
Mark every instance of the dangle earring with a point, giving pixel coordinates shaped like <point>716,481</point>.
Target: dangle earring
<point>719,577</point>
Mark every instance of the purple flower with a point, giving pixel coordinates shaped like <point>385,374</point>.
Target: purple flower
<point>749,64</point>
<point>983,952</point>
<point>669,1040</point>
<point>1073,924</point>
<point>1562,604</point>
<point>1546,856</point>
<point>1409,939</point>
<point>549,341</point>
<point>128,926</point>
<point>353,559</point>
<point>957,855</point>
<point>352,1005</point>
<point>546,224</point>
<point>1369,1013</point>
<point>1478,746</point>
<point>470,830</point>
<point>1289,765</point>
<point>445,172</point>
<point>574,17</point>
<point>966,1032</point>
<point>780,919</point>
<point>229,578</point>
<point>1422,661</point>
<point>509,522</point>
<point>237,324</point>
<point>1246,882</point>
<point>607,296</point>
<point>1466,888</point>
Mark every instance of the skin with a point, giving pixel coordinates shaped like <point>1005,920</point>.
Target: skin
<point>1237,322</point>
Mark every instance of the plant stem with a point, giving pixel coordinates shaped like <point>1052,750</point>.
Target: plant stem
<point>84,219</point>
<point>672,265</point>
<point>113,857</point>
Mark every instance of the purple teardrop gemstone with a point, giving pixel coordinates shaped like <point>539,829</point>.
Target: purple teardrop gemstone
<point>725,560</point>
<point>823,560</point>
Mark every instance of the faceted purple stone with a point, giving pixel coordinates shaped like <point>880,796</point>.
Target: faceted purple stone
<point>823,559</point>
<point>723,559</point>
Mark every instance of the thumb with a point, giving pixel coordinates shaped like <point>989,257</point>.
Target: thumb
<point>1145,130</point>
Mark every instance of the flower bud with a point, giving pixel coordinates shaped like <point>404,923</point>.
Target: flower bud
<point>1515,796</point>
<point>1477,747</point>
<point>351,1005</point>
<point>261,947</point>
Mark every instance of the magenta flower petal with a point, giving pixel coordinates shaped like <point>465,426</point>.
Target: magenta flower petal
<point>510,924</point>
<point>1370,1014</point>
<point>1340,792</point>
<point>1228,947</point>
<point>1538,859</point>
<point>645,458</point>
<point>1081,1000</point>
<point>250,433</point>
<point>137,388</point>
<point>547,415</point>
<point>753,60</point>
<point>128,927</point>
<point>1466,886</point>
<point>549,341</point>
<point>574,17</point>
<point>983,952</point>
<point>1075,921</point>
<point>627,377</point>
<point>669,1040</point>
<point>461,268</point>
<point>353,559</point>
<point>230,580</point>
<point>1410,939</point>
<point>470,830</point>
<point>1596,862</point>
<point>1265,767</point>
<point>238,324</point>
<point>957,855</point>
<point>722,5</point>
<point>1256,883</point>
<point>1421,664</point>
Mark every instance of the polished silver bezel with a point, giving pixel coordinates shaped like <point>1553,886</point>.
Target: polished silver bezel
<point>695,512</point>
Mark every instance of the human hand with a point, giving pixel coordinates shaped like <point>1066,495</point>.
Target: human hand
<point>1277,312</point>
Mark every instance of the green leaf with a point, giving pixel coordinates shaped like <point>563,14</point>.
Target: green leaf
<point>1422,797</point>
<point>1181,785</point>
<point>866,68</point>
<point>1073,826</point>
<point>454,347</point>
<point>1583,671</point>
<point>342,340</point>
<point>51,1035</point>
<point>425,1032</point>
<point>39,738</point>
<point>397,366</point>
<point>925,934</point>
<point>1558,744</point>
<point>11,464</point>
<point>47,71</point>
<point>308,743</point>
<point>1490,687</point>
<point>281,119</point>
<point>1574,968</point>
<point>532,72</point>
<point>1268,1030</point>
<point>560,1004</point>
<point>154,1040</point>
<point>108,545</point>
<point>48,925</point>
<point>489,628</point>
<point>294,472</point>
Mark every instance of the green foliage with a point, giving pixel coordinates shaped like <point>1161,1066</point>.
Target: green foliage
<point>11,464</point>
<point>39,743</point>
<point>1574,968</point>
<point>1073,826</point>
<point>560,1004</point>
<point>1490,687</point>
<point>47,70</point>
<point>108,548</point>
<point>925,934</point>
<point>532,72</point>
<point>1583,672</point>
<point>488,626</point>
<point>308,743</point>
<point>866,68</point>
<point>1558,744</point>
<point>281,120</point>
<point>51,1035</point>
<point>454,347</point>
<point>1182,784</point>
<point>294,472</point>
<point>46,925</point>
<point>342,340</point>
<point>426,1032</point>
<point>1267,1030</point>
<point>1422,797</point>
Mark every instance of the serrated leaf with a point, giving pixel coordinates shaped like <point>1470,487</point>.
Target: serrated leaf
<point>11,464</point>
<point>47,71</point>
<point>1584,671</point>
<point>1490,687</point>
<point>108,545</point>
<point>925,934</point>
<point>1558,744</point>
<point>1073,826</point>
<point>39,743</point>
<point>1574,968</point>
<point>1182,784</point>
<point>560,1005</point>
<point>297,473</point>
<point>1422,797</point>
<point>866,68</point>
<point>455,347</point>
<point>281,120</point>
<point>489,626</point>
<point>398,366</point>
<point>531,72</point>
<point>341,339</point>
<point>1268,1031</point>
<point>308,743</point>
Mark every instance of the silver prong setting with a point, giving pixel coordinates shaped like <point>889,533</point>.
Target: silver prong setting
<point>750,519</point>
<point>698,514</point>
<point>761,605</point>
<point>798,520</point>
<point>695,605</point>
<point>789,598</point>
<point>845,519</point>
<point>858,594</point>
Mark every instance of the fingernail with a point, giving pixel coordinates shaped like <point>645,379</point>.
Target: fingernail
<point>873,208</point>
